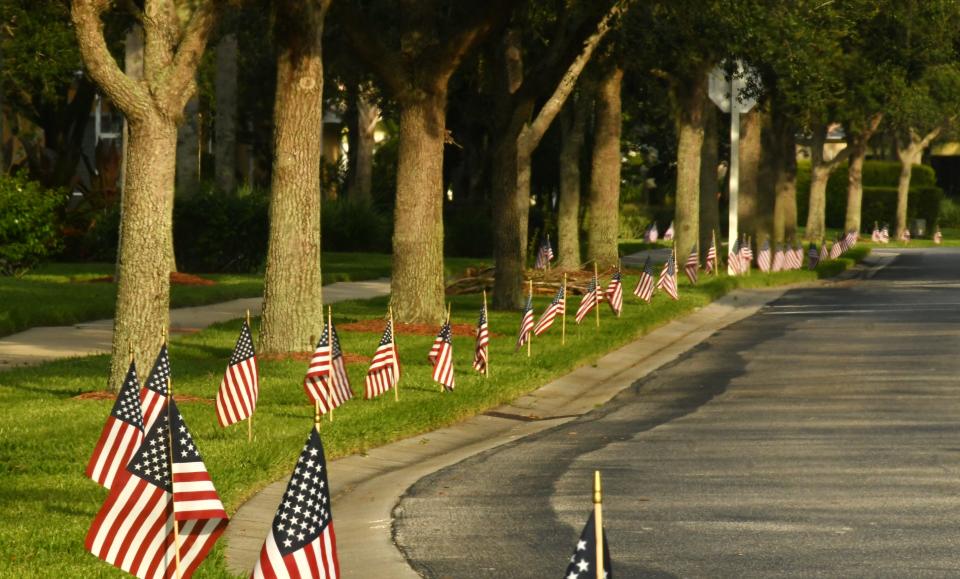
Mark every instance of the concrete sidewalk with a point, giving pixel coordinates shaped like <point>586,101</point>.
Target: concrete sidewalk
<point>43,344</point>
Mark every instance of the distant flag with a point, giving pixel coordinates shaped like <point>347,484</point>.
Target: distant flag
<point>326,380</point>
<point>813,256</point>
<point>556,308</point>
<point>692,265</point>
<point>794,257</point>
<point>645,285</point>
<point>240,387</point>
<point>905,236</point>
<point>481,351</point>
<point>885,234</point>
<point>651,235</point>
<point>824,254</point>
<point>154,392</point>
<point>301,542</point>
<point>763,258</point>
<point>938,237</point>
<point>526,323</point>
<point>544,254</point>
<point>711,265</point>
<point>583,562</point>
<point>668,235</point>
<point>746,255</point>
<point>384,371</point>
<point>166,480</point>
<point>614,292</point>
<point>734,260</point>
<point>589,299</point>
<point>778,259</point>
<point>668,278</point>
<point>121,435</point>
<point>836,249</point>
<point>441,355</point>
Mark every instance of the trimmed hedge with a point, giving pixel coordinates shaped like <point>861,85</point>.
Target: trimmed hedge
<point>879,193</point>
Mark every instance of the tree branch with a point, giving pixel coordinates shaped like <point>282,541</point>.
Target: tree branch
<point>486,17</point>
<point>129,95</point>
<point>181,82</point>
<point>365,41</point>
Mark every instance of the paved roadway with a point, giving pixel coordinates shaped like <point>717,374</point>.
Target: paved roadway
<point>818,438</point>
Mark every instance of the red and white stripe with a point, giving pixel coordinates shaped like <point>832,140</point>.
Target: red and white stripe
<point>526,326</point>
<point>318,560</point>
<point>481,352</point>
<point>151,402</point>
<point>118,441</point>
<point>239,390</point>
<point>443,367</point>
<point>644,289</point>
<point>615,295</point>
<point>384,371</point>
<point>194,496</point>
<point>556,308</point>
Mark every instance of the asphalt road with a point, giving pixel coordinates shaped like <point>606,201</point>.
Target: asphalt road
<point>818,438</point>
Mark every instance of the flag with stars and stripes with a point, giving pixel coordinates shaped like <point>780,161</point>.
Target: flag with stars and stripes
<point>813,256</point>
<point>121,435</point>
<point>556,308</point>
<point>693,264</point>
<point>589,299</point>
<point>614,292</point>
<point>326,381</point>
<point>154,392</point>
<point>669,233</point>
<point>938,237</point>
<point>763,258</point>
<point>544,254</point>
<point>746,255</point>
<point>668,278</point>
<point>798,253</point>
<point>836,249</point>
<point>711,265</point>
<point>341,384</point>
<point>734,261</point>
<point>875,236</point>
<point>481,352</point>
<point>526,323</point>
<point>583,562</point>
<point>165,480</point>
<point>301,541</point>
<point>240,387</point>
<point>651,234</point>
<point>645,285</point>
<point>384,371</point>
<point>824,254</point>
<point>442,357</point>
<point>778,259</point>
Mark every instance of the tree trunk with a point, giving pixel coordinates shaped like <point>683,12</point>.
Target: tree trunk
<point>817,210</point>
<point>907,157</point>
<point>143,288</point>
<point>573,131</point>
<point>785,179</point>
<point>603,233</point>
<point>511,210</point>
<point>188,149</point>
<point>417,285</point>
<point>292,298</point>
<point>689,149</point>
<point>225,128</point>
<point>709,179</point>
<point>748,199</point>
<point>360,184</point>
<point>766,180</point>
<point>858,152</point>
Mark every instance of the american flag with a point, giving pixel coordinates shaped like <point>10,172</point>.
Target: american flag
<point>790,259</point>
<point>905,236</point>
<point>711,265</point>
<point>644,289</point>
<point>885,234</point>
<point>165,480</point>
<point>589,299</point>
<point>651,235</point>
<point>693,264</point>
<point>798,252</point>
<point>556,308</point>
<point>326,381</point>
<point>763,258</point>
<point>544,254</point>
<point>824,255</point>
<point>813,256</point>
<point>583,562</point>
<point>121,435</point>
<point>154,392</point>
<point>938,237</point>
<point>778,259</point>
<point>384,372</point>
<point>240,387</point>
<point>836,249</point>
<point>481,352</point>
<point>875,236</point>
<point>526,323</point>
<point>668,278</point>
<point>301,542</point>
<point>734,260</point>
<point>746,256</point>
<point>442,356</point>
<point>615,292</point>
<point>669,233</point>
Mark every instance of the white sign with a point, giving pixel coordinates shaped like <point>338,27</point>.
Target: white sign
<point>719,89</point>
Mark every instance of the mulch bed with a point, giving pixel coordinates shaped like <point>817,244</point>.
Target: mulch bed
<point>545,283</point>
<point>103,395</point>
<point>176,278</point>
<point>376,325</point>
<point>305,357</point>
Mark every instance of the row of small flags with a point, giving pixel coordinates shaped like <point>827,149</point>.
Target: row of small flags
<point>652,234</point>
<point>882,235</point>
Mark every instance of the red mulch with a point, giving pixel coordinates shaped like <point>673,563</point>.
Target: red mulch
<point>176,278</point>
<point>305,357</point>
<point>410,329</point>
<point>103,395</point>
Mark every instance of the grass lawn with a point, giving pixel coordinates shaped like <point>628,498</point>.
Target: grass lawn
<point>628,246</point>
<point>46,436</point>
<point>61,293</point>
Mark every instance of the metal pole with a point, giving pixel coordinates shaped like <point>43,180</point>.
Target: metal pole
<point>734,161</point>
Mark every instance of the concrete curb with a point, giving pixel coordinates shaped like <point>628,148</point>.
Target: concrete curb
<point>366,488</point>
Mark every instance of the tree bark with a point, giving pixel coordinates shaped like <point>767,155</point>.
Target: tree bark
<point>225,125</point>
<point>858,152</point>
<point>292,298</point>
<point>748,200</point>
<point>604,229</point>
<point>784,163</point>
<point>909,153</point>
<point>709,179</point>
<point>188,149</point>
<point>820,170</point>
<point>360,184</point>
<point>573,130</point>
<point>766,180</point>
<point>691,97</point>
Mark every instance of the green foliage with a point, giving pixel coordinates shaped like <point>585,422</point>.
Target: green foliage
<point>28,223</point>
<point>219,231</point>
<point>468,231</point>
<point>354,226</point>
<point>949,213</point>
<point>634,219</point>
<point>879,193</point>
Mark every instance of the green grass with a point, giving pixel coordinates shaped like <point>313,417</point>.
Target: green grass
<point>628,246</point>
<point>60,293</point>
<point>46,436</point>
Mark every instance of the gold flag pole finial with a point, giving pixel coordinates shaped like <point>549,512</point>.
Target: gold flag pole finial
<point>598,523</point>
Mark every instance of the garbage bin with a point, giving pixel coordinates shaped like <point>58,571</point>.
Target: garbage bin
<point>918,227</point>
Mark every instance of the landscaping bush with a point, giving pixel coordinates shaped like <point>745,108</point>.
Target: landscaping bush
<point>214,231</point>
<point>949,213</point>
<point>468,231</point>
<point>879,179</point>
<point>29,228</point>
<point>353,226</point>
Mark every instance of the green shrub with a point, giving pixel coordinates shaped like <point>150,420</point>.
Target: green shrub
<point>468,232</point>
<point>354,226</point>
<point>879,179</point>
<point>214,231</point>
<point>634,219</point>
<point>949,213</point>
<point>29,230</point>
